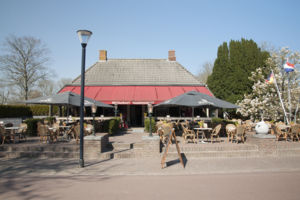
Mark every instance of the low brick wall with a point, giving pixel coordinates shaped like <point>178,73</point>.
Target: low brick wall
<point>151,146</point>
<point>95,145</point>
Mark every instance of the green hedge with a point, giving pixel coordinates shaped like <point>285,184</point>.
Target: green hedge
<point>15,111</point>
<point>111,126</point>
<point>147,123</point>
<point>32,126</point>
<point>26,111</point>
<point>43,110</point>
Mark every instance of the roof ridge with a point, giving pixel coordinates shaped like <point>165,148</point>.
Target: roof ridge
<point>190,73</point>
<point>138,72</point>
<point>133,59</point>
<point>88,69</point>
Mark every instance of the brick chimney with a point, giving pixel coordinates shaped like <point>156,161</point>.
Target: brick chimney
<point>103,55</point>
<point>172,56</point>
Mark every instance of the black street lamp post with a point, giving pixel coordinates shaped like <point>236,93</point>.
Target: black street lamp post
<point>84,36</point>
<point>150,110</point>
<point>94,110</point>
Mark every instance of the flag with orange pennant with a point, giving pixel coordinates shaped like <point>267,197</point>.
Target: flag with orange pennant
<point>270,79</point>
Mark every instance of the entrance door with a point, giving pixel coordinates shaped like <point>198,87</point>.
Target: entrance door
<point>136,115</point>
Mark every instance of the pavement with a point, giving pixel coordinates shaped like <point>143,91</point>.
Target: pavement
<point>127,167</point>
<point>129,179</point>
<point>268,177</point>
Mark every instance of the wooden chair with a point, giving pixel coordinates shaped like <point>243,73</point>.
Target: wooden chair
<point>188,133</point>
<point>215,133</point>
<point>278,132</point>
<point>230,131</point>
<point>240,133</point>
<point>294,132</point>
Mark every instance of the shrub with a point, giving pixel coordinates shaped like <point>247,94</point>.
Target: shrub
<point>111,126</point>
<point>147,124</point>
<point>114,125</point>
<point>32,126</point>
<point>15,111</point>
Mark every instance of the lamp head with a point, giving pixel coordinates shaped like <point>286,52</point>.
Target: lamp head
<point>84,36</point>
<point>94,108</point>
<point>150,108</point>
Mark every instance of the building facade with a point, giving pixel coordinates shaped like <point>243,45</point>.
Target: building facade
<point>131,84</point>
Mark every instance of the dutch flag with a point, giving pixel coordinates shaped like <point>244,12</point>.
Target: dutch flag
<point>289,67</point>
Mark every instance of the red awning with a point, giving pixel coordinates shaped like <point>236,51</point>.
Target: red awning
<point>135,94</point>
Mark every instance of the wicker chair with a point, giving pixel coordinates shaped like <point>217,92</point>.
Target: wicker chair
<point>88,130</point>
<point>159,130</point>
<point>215,133</point>
<point>278,132</point>
<point>76,131</point>
<point>249,125</point>
<point>230,131</point>
<point>188,133</point>
<point>43,132</point>
<point>21,132</point>
<point>294,132</point>
<point>4,134</point>
<point>240,133</point>
<point>165,129</point>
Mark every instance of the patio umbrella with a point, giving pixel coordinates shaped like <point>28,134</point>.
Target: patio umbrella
<point>196,99</point>
<point>66,99</point>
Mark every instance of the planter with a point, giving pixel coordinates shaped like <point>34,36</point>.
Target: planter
<point>262,128</point>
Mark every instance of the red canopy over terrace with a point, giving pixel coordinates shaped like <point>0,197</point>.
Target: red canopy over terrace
<point>135,94</point>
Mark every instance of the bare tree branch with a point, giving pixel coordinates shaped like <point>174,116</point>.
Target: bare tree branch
<point>24,63</point>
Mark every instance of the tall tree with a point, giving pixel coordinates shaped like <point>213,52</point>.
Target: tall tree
<point>24,63</point>
<point>205,72</point>
<point>233,66</point>
<point>215,81</point>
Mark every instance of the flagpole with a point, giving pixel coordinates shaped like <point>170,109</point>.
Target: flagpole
<point>297,108</point>
<point>289,97</point>
<point>278,92</point>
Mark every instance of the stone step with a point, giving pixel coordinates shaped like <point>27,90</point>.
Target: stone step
<point>210,148</point>
<point>36,154</point>
<point>121,146</point>
<point>130,153</point>
<point>40,148</point>
<point>214,154</point>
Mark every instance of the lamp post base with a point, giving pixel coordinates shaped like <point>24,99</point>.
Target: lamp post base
<point>150,126</point>
<point>81,163</point>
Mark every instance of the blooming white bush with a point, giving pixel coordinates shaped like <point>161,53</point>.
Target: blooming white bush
<point>264,101</point>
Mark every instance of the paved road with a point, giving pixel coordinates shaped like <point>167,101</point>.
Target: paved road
<point>246,186</point>
<point>234,178</point>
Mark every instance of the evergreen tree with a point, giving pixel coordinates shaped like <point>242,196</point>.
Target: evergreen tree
<point>233,66</point>
<point>215,81</point>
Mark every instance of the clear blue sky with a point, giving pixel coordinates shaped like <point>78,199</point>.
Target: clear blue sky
<point>148,28</point>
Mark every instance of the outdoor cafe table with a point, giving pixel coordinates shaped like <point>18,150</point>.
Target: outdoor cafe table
<point>64,128</point>
<point>13,130</point>
<point>202,131</point>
